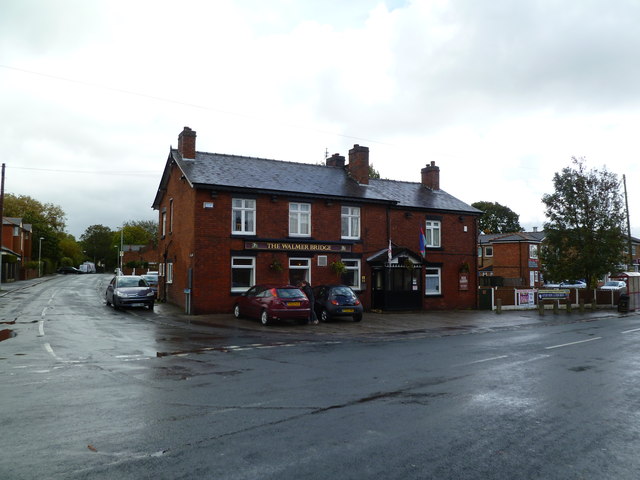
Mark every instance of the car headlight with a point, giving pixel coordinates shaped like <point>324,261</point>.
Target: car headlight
<point>151,294</point>
<point>121,293</point>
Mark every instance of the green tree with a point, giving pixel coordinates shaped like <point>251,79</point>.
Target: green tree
<point>149,226</point>
<point>47,220</point>
<point>135,233</point>
<point>97,243</point>
<point>373,173</point>
<point>71,249</point>
<point>497,218</point>
<point>584,235</point>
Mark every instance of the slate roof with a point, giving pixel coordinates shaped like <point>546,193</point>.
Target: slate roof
<point>231,172</point>
<point>533,237</point>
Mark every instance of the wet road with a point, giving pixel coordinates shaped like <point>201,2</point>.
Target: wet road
<point>85,394</point>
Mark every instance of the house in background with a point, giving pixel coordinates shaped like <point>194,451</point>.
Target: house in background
<point>510,259</point>
<point>16,248</point>
<point>227,222</point>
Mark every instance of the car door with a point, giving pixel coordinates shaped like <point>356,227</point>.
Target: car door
<point>110,289</point>
<point>252,305</point>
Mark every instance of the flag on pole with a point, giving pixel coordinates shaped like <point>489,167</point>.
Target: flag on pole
<point>423,242</point>
<point>389,253</point>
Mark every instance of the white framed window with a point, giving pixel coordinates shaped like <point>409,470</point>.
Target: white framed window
<point>432,281</point>
<point>300,219</point>
<point>299,269</point>
<point>488,251</point>
<point>171,215</point>
<point>163,222</point>
<point>243,273</point>
<point>243,216</point>
<point>170,272</point>
<point>533,251</point>
<point>432,233</point>
<point>350,222</point>
<point>161,270</point>
<point>352,276</point>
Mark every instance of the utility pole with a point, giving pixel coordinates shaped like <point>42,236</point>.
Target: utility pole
<point>626,202</point>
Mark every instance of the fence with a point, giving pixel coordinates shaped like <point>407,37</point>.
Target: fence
<point>527,298</point>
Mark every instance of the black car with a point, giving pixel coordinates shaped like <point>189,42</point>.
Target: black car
<point>336,301</point>
<point>67,270</point>
<point>129,291</point>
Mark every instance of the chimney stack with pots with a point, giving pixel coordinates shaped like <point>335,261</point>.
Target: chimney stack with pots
<point>335,160</point>
<point>359,164</point>
<point>187,143</point>
<point>431,176</point>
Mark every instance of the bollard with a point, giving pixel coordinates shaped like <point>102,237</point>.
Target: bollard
<point>581,306</point>
<point>541,309</point>
<point>594,305</point>
<point>569,306</point>
<point>498,306</point>
<point>556,307</point>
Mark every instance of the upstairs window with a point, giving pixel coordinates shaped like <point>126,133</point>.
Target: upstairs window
<point>533,251</point>
<point>243,216</point>
<point>300,219</point>
<point>488,251</point>
<point>350,222</point>
<point>432,233</point>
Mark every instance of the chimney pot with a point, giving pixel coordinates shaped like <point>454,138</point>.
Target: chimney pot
<point>335,160</point>
<point>187,143</point>
<point>359,164</point>
<point>431,176</point>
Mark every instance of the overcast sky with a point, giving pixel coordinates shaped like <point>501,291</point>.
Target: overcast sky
<point>500,94</point>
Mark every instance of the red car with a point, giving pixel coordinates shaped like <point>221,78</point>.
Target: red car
<point>273,302</point>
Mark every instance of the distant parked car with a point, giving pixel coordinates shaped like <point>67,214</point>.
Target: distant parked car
<point>152,280</point>
<point>273,302</point>
<point>614,285</point>
<point>67,270</point>
<point>551,285</point>
<point>129,291</point>
<point>336,301</point>
<point>573,284</point>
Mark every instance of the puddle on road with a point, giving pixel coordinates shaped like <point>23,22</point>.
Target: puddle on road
<point>6,334</point>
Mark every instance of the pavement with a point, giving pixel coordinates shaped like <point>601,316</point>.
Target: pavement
<point>429,323</point>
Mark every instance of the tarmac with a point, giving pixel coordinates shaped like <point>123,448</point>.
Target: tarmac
<point>427,323</point>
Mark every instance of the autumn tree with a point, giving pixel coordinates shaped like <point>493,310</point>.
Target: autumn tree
<point>497,218</point>
<point>584,234</point>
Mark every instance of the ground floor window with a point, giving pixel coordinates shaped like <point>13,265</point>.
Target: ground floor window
<point>243,273</point>
<point>169,272</point>
<point>432,281</point>
<point>299,269</point>
<point>352,276</point>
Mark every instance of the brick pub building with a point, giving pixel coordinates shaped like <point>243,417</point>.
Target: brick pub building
<point>227,222</point>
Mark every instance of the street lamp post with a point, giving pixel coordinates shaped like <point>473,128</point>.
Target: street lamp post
<point>40,256</point>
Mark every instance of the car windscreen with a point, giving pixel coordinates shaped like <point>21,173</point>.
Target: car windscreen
<point>342,292</point>
<point>289,293</point>
<point>124,282</point>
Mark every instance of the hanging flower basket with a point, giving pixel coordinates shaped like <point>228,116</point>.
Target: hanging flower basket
<point>276,266</point>
<point>338,268</point>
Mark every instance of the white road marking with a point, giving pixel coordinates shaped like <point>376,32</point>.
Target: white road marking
<point>573,343</point>
<point>634,330</point>
<point>41,328</point>
<point>488,359</point>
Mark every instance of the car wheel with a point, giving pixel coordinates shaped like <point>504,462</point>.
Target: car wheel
<point>236,311</point>
<point>357,318</point>
<point>107,302</point>
<point>115,304</point>
<point>264,318</point>
<point>324,315</point>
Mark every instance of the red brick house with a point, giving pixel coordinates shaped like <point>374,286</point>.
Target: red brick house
<point>512,259</point>
<point>228,222</point>
<point>16,248</point>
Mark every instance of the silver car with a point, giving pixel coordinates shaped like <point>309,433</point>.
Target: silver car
<point>129,291</point>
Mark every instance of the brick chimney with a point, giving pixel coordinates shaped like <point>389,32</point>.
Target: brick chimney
<point>431,176</point>
<point>335,160</point>
<point>359,164</point>
<point>187,143</point>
